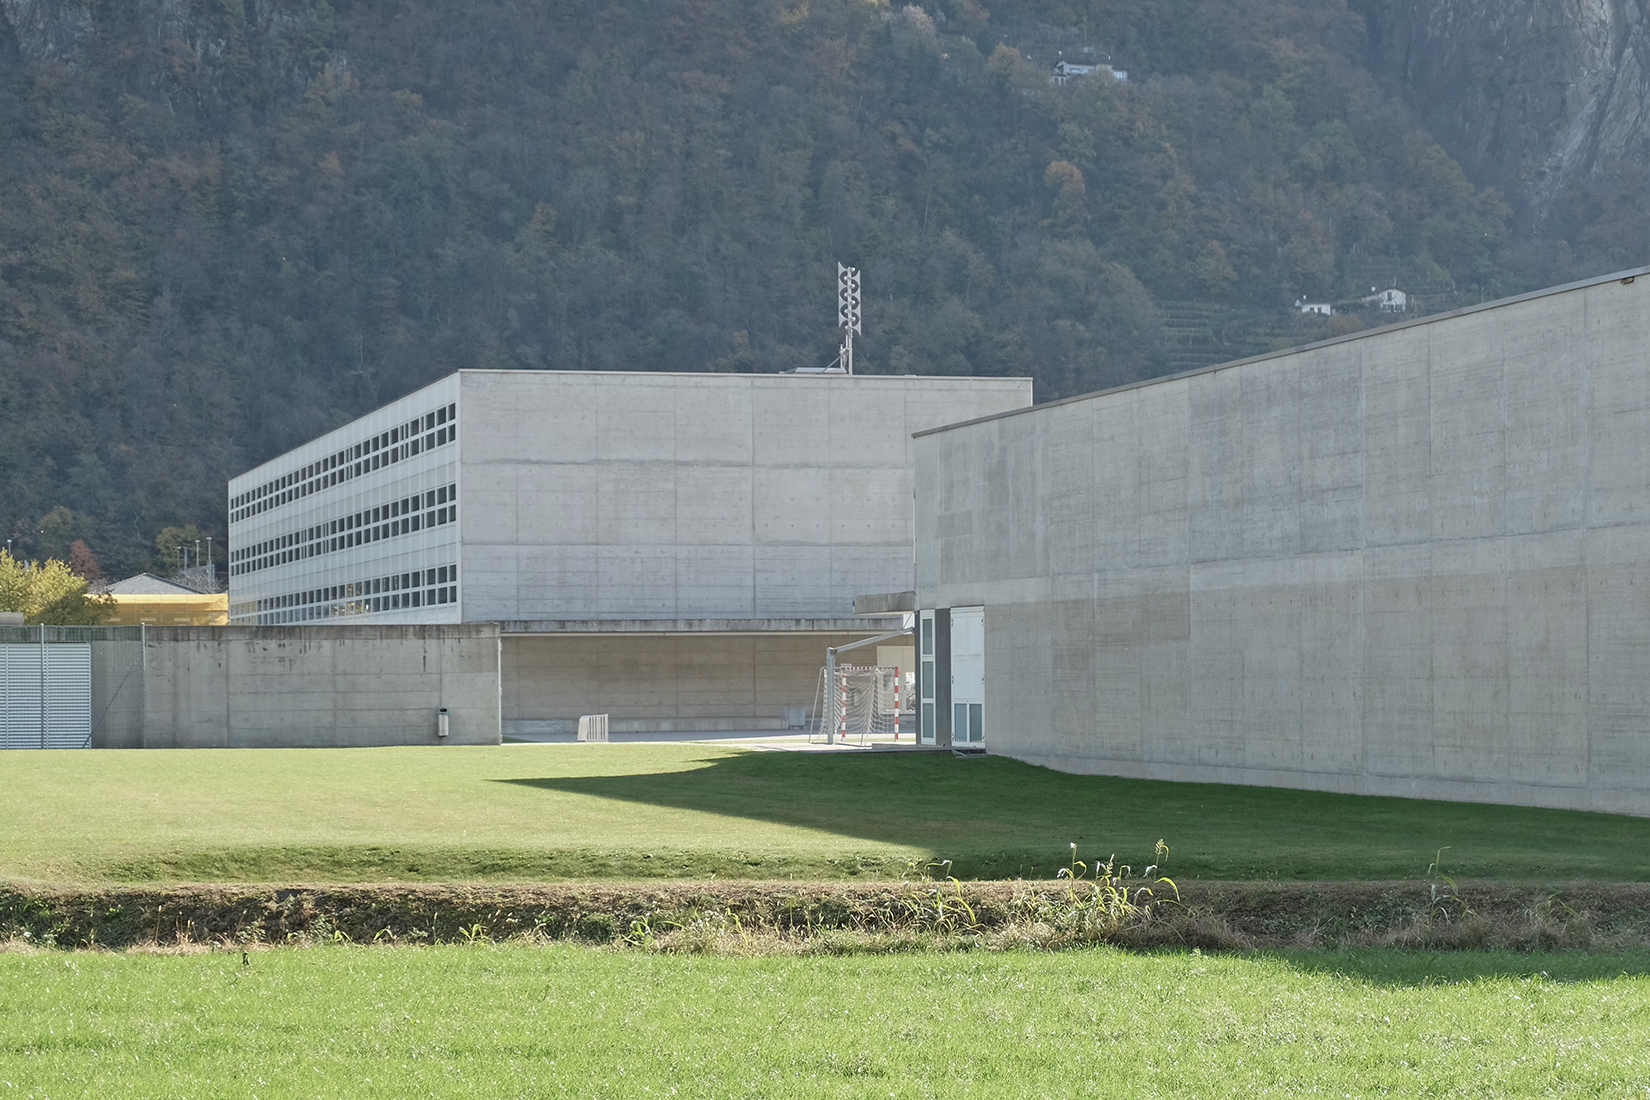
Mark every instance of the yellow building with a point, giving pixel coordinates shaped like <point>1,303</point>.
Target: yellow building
<point>156,601</point>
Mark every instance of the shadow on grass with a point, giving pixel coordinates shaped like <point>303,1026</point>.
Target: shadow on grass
<point>1400,968</point>
<point>997,818</point>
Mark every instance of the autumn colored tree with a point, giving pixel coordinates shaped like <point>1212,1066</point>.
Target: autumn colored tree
<point>49,592</point>
<point>83,563</point>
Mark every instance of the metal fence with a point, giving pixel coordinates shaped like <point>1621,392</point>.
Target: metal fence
<point>71,687</point>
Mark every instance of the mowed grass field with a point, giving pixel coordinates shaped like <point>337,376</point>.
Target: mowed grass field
<point>530,1022</point>
<point>690,811</point>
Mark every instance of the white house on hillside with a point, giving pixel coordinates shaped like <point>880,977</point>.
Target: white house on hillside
<point>1067,70</point>
<point>1391,300</point>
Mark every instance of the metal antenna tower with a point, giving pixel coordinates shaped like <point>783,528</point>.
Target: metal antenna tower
<point>847,312</point>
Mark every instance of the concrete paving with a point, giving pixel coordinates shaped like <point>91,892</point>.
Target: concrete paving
<point>753,739</point>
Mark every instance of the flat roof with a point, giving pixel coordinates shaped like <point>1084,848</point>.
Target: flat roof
<point>861,624</point>
<point>281,463</point>
<point>1431,319</point>
<point>731,375</point>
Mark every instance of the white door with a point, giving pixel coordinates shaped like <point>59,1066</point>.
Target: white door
<point>967,675</point>
<point>925,678</point>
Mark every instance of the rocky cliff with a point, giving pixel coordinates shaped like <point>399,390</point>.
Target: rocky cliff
<point>1532,96</point>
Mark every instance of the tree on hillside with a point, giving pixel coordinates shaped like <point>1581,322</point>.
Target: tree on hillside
<point>49,592</point>
<point>83,563</point>
<point>170,545</point>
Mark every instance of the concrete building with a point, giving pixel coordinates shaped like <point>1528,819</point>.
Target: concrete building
<point>676,550</point>
<point>1414,561</point>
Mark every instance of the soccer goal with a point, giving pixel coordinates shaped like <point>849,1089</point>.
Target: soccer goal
<point>861,706</point>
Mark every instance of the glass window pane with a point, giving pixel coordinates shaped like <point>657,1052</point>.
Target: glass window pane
<point>927,637</point>
<point>927,688</point>
<point>928,721</point>
<point>976,721</point>
<point>959,721</point>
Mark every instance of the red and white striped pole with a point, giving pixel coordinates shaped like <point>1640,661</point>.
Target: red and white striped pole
<point>844,726</point>
<point>896,702</point>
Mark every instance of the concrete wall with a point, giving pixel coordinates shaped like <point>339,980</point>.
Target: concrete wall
<point>1414,562</point>
<point>117,687</point>
<point>594,495</point>
<point>241,687</point>
<point>654,682</point>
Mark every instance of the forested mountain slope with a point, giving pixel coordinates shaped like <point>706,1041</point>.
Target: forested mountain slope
<point>1546,100</point>
<point>227,225</point>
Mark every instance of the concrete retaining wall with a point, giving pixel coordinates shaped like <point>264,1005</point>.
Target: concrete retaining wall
<point>1414,562</point>
<point>241,687</point>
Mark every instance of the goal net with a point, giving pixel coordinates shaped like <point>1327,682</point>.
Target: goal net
<point>863,705</point>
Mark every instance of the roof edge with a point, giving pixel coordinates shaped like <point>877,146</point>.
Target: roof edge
<point>741,374</point>
<point>1500,303</point>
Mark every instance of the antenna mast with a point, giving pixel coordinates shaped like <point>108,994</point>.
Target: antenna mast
<point>847,312</point>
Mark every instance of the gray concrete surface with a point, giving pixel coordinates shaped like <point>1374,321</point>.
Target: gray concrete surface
<point>607,495</point>
<point>243,687</point>
<point>1410,562</point>
<point>885,603</point>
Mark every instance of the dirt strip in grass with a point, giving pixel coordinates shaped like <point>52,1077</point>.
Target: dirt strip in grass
<point>736,916</point>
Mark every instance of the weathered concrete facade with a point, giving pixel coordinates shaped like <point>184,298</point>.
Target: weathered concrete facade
<point>1414,562</point>
<point>280,687</point>
<point>571,498</point>
<point>607,495</point>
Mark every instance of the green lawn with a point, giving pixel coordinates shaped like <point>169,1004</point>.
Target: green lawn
<point>559,812</point>
<point>531,1022</point>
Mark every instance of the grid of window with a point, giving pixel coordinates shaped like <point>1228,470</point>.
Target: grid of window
<point>395,592</point>
<point>401,517</point>
<point>424,433</point>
